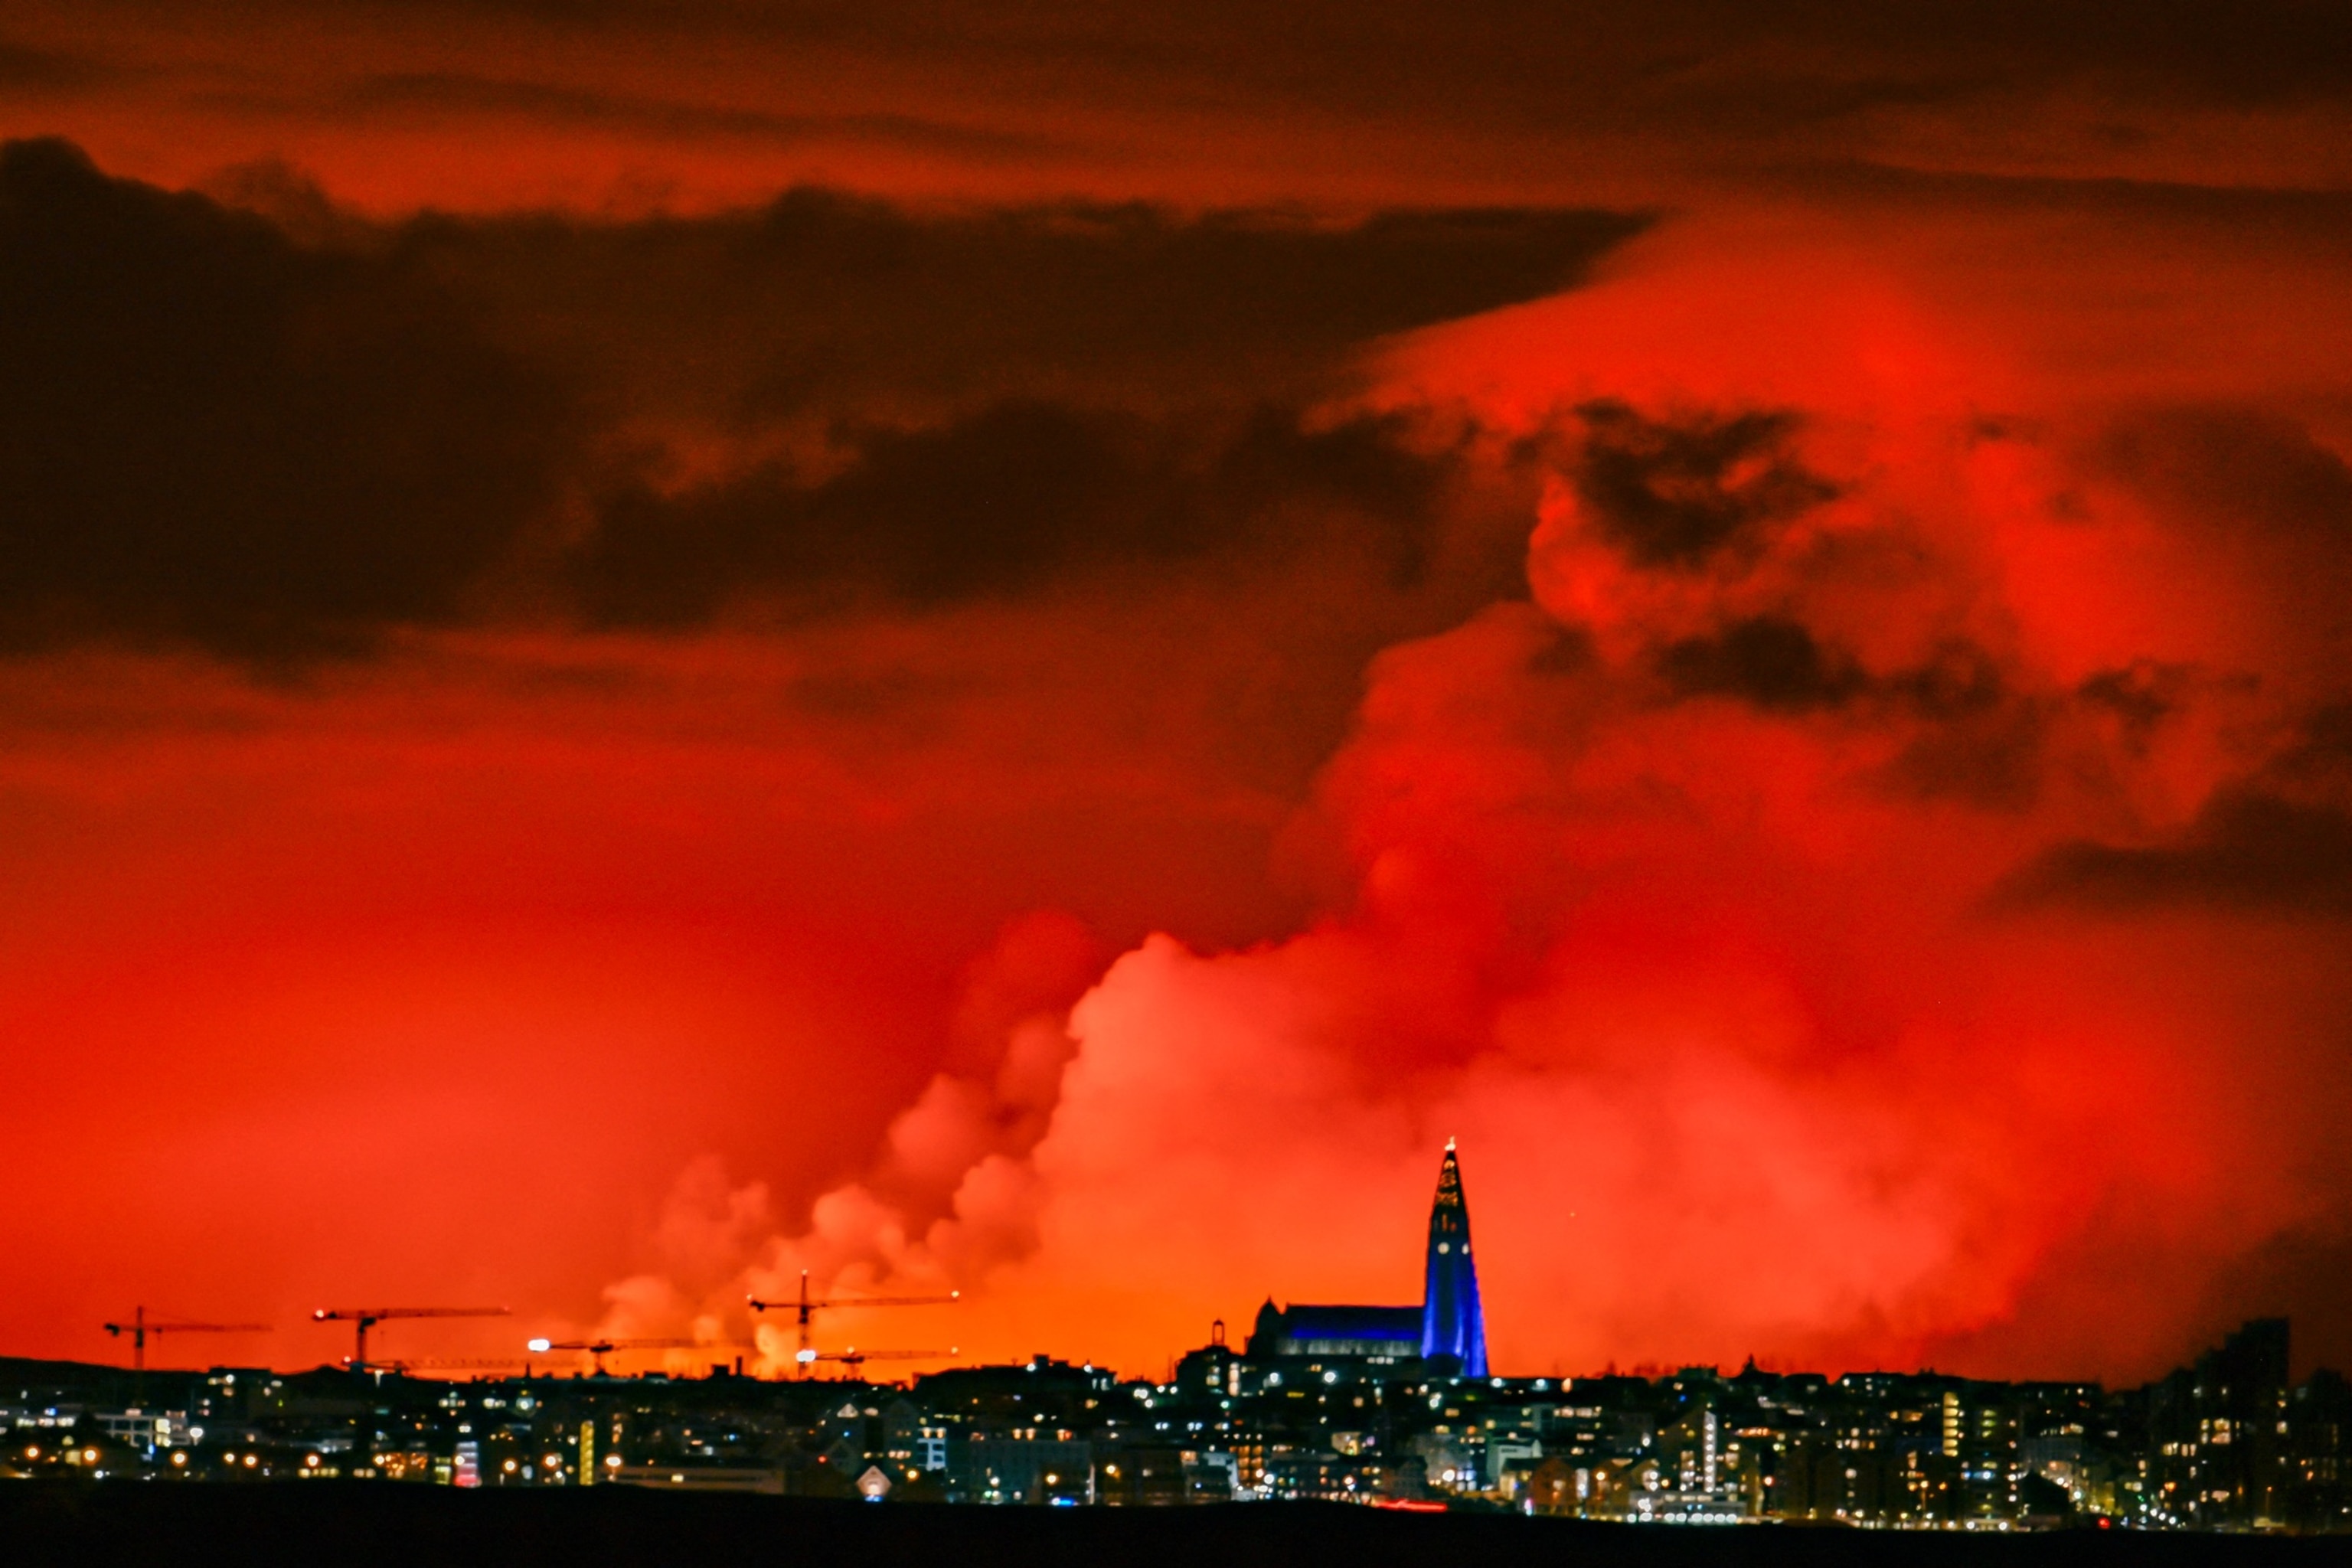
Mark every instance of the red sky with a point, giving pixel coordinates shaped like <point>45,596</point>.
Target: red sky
<point>997,649</point>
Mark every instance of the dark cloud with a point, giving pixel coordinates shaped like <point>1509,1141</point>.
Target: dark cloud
<point>2280,841</point>
<point>999,500</point>
<point>274,435</point>
<point>2236,465</point>
<point>209,433</point>
<point>1970,740</point>
<point>430,93</point>
<point>1993,759</point>
<point>2246,850</point>
<point>33,71</point>
<point>821,301</point>
<point>1960,681</point>
<point>1770,661</point>
<point>2322,762</point>
<point>1402,94</point>
<point>2141,697</point>
<point>1671,494</point>
<point>1522,63</point>
<point>2258,490</point>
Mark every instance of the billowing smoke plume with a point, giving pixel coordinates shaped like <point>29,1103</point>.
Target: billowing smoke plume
<point>1860,906</point>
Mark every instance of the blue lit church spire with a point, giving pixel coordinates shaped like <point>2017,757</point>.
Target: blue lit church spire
<point>1452,1323</point>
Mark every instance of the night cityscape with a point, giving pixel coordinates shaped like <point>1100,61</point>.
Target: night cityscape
<point>1389,1407</point>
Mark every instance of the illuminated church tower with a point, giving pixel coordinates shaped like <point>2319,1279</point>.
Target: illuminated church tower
<point>1451,1321</point>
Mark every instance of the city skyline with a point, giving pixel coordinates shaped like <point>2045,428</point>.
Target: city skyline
<point>1386,1406</point>
<point>2228,1444</point>
<point>654,656</point>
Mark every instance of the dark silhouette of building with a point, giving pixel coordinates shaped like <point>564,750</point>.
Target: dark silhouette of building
<point>1451,1321</point>
<point>1310,1329</point>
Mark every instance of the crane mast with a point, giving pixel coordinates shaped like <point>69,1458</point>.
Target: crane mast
<point>600,1348</point>
<point>853,1360</point>
<point>141,1326</point>
<point>805,1309</point>
<point>362,1319</point>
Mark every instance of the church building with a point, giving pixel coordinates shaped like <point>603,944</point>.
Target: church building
<point>1448,1323</point>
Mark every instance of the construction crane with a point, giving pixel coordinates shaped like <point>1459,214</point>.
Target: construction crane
<point>600,1348</point>
<point>804,1309</point>
<point>853,1360</point>
<point>366,1318</point>
<point>139,1329</point>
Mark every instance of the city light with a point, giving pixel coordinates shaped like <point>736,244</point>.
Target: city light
<point>1337,1402</point>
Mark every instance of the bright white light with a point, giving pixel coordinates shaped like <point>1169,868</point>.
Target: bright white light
<point>805,1356</point>
<point>540,1347</point>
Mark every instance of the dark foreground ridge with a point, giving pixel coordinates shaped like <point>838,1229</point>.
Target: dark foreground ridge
<point>357,1523</point>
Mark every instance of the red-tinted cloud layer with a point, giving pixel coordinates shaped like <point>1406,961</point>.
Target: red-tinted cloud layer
<point>1783,682</point>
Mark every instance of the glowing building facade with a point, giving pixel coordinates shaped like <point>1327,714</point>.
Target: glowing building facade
<point>1448,1323</point>
<point>1451,1321</point>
